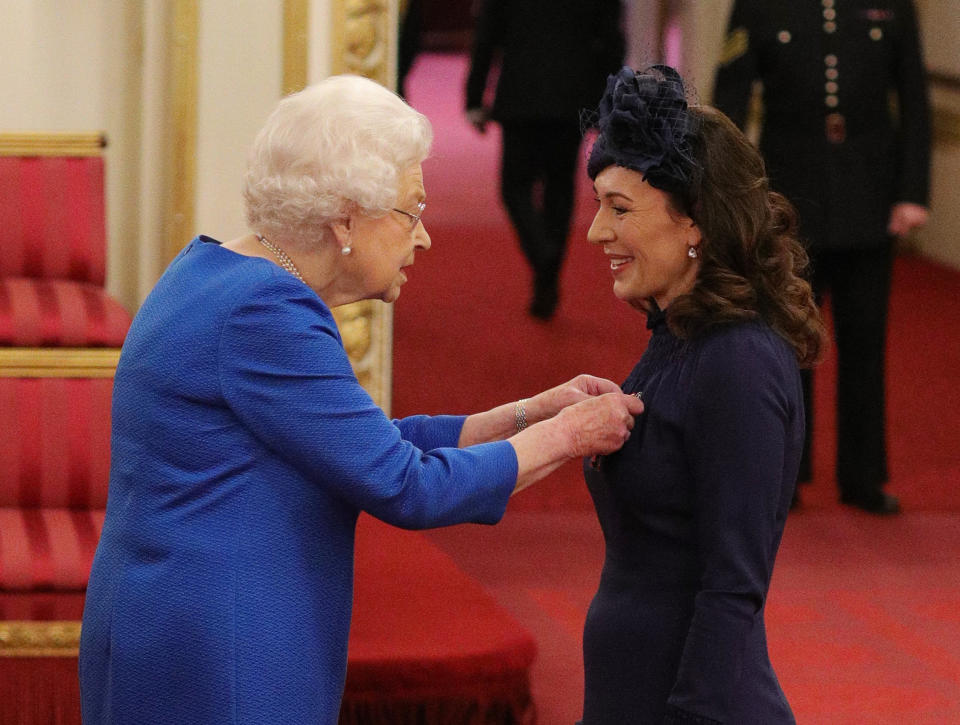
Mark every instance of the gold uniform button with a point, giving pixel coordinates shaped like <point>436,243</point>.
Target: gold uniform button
<point>830,60</point>
<point>832,101</point>
<point>830,14</point>
<point>876,33</point>
<point>829,27</point>
<point>832,74</point>
<point>831,87</point>
<point>784,36</point>
<point>828,3</point>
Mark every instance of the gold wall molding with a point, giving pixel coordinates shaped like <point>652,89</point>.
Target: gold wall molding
<point>52,144</point>
<point>185,32</point>
<point>366,329</point>
<point>944,79</point>
<point>63,362</point>
<point>363,42</point>
<point>295,45</point>
<point>362,38</point>
<point>39,639</point>
<point>946,126</point>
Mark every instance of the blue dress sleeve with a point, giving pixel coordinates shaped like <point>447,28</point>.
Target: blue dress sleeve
<point>431,431</point>
<point>738,425</point>
<point>284,372</point>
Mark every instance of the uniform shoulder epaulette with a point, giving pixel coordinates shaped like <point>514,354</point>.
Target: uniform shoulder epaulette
<point>735,45</point>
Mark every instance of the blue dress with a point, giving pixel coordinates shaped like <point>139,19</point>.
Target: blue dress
<point>243,450</point>
<point>692,510</point>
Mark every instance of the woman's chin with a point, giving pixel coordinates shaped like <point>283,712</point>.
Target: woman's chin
<point>623,294</point>
<point>391,295</point>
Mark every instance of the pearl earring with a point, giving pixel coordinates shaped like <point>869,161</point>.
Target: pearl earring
<point>346,250</point>
<point>692,252</point>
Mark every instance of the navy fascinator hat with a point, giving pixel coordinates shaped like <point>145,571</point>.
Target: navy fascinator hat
<point>645,125</point>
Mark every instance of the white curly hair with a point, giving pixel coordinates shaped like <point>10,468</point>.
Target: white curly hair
<point>336,147</point>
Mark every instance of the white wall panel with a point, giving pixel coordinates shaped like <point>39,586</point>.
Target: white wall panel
<point>239,82</point>
<point>52,65</point>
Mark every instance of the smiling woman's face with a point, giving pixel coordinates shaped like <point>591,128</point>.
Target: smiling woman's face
<point>647,244</point>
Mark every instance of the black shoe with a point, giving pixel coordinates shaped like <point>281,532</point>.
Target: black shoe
<point>879,503</point>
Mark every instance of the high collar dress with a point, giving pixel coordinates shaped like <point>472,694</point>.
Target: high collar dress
<point>692,510</point>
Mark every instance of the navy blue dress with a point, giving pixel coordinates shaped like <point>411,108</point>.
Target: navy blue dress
<point>692,510</point>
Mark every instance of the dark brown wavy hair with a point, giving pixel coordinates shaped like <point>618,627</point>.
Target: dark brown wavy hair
<point>752,264</point>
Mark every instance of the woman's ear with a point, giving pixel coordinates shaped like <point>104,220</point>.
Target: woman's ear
<point>342,231</point>
<point>694,236</point>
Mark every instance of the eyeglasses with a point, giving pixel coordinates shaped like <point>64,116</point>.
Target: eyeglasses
<point>414,218</point>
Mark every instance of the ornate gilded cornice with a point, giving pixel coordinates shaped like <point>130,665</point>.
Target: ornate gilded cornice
<point>946,127</point>
<point>185,30</point>
<point>362,38</point>
<point>39,639</point>
<point>295,45</point>
<point>52,144</point>
<point>363,43</point>
<point>52,362</point>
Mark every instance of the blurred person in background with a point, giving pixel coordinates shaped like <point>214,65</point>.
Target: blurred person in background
<point>856,166</point>
<point>554,59</point>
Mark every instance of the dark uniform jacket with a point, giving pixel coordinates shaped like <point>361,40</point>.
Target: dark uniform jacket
<point>846,125</point>
<point>556,55</point>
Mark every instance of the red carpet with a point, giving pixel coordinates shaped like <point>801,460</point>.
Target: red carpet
<point>863,618</point>
<point>864,613</point>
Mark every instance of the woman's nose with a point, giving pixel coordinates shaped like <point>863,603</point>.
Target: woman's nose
<point>422,237</point>
<point>598,231</point>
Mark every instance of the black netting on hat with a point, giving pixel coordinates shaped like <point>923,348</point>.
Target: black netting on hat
<point>644,124</point>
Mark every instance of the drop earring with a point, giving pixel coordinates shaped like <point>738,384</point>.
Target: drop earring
<point>692,252</point>
<point>346,250</point>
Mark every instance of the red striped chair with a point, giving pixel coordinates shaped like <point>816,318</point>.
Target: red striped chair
<point>60,337</point>
<point>53,267</point>
<point>54,467</point>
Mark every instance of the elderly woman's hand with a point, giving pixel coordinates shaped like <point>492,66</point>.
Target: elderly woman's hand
<point>600,425</point>
<point>597,425</point>
<point>550,402</point>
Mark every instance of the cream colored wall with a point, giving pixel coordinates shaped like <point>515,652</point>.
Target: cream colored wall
<point>940,239</point>
<point>940,25</point>
<point>52,64</point>
<point>704,26</point>
<point>239,78</point>
<point>320,56</point>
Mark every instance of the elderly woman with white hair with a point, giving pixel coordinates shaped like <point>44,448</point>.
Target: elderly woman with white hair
<point>244,448</point>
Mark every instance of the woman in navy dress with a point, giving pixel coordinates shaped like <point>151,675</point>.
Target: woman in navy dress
<point>244,448</point>
<point>693,506</point>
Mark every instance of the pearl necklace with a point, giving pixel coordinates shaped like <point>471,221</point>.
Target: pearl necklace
<point>281,256</point>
